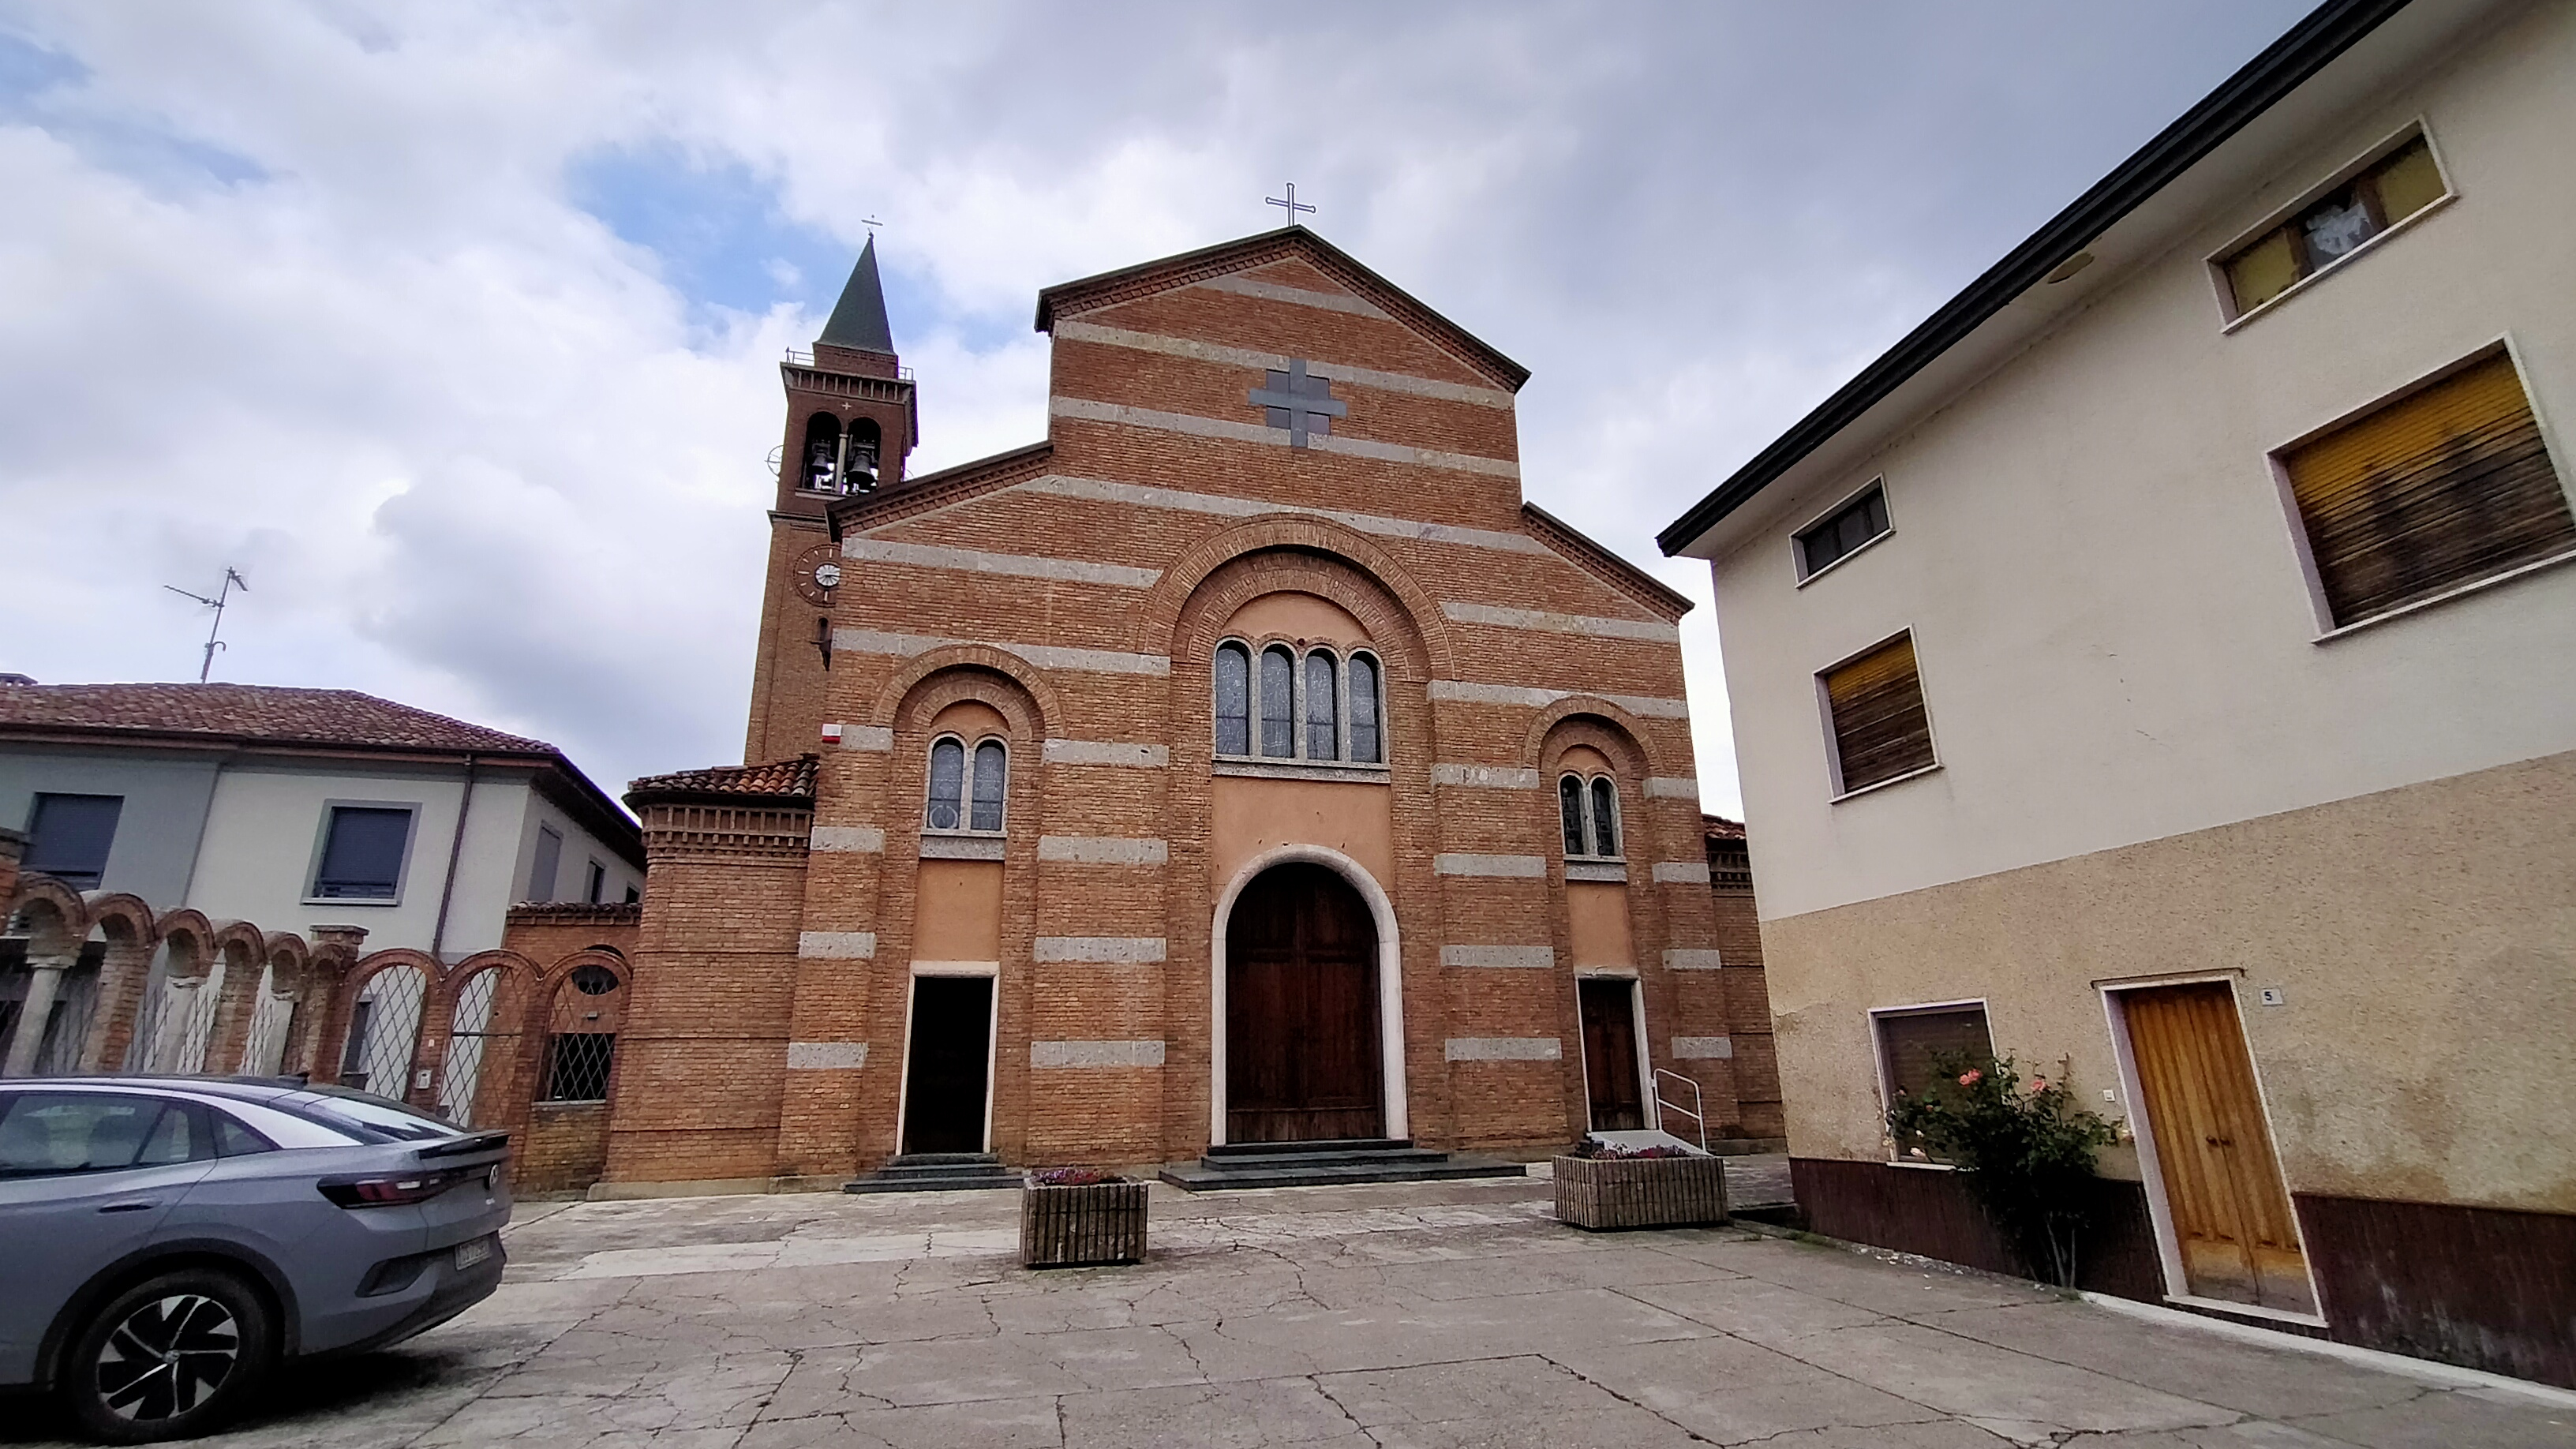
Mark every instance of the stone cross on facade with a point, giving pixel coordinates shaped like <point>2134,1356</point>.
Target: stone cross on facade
<point>1304,405</point>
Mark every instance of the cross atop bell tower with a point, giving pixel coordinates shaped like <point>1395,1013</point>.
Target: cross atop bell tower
<point>851,422</point>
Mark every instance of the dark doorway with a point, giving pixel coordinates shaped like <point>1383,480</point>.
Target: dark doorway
<point>944,1082</point>
<point>1610,1054</point>
<point>1301,1026</point>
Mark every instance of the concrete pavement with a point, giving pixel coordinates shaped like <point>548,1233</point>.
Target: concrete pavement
<point>1446,1314</point>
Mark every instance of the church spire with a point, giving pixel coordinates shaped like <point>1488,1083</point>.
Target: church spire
<point>859,319</point>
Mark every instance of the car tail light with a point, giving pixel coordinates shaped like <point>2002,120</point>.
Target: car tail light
<point>396,1189</point>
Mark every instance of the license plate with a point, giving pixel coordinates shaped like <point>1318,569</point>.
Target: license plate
<point>469,1254</point>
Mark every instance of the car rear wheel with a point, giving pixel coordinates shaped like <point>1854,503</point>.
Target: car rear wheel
<point>170,1357</point>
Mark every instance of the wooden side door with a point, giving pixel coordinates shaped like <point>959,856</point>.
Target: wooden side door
<point>1610,1053</point>
<point>1302,1056</point>
<point>2232,1222</point>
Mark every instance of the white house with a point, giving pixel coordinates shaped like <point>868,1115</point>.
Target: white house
<point>2160,667</point>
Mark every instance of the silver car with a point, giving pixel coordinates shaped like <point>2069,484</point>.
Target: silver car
<point>166,1242</point>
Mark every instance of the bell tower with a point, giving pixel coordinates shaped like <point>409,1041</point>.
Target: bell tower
<point>851,423</point>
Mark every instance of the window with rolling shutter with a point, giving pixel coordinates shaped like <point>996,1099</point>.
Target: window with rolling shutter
<point>1880,728</point>
<point>1913,1044</point>
<point>2447,485</point>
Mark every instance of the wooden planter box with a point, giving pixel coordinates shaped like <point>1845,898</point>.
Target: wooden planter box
<point>1601,1193</point>
<point>1101,1222</point>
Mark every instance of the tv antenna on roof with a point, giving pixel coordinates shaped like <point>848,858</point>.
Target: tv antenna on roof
<point>232,580</point>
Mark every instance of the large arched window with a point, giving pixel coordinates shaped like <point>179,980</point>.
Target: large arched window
<point>1316,706</point>
<point>968,792</point>
<point>1278,702</point>
<point>1589,812</point>
<point>1233,700</point>
<point>822,453</point>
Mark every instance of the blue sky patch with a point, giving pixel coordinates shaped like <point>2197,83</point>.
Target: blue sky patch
<point>43,88</point>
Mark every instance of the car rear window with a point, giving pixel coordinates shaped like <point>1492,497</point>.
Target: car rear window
<point>49,1134</point>
<point>371,1119</point>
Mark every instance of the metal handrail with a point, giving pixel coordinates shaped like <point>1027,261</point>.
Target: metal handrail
<point>1693,1111</point>
<point>804,357</point>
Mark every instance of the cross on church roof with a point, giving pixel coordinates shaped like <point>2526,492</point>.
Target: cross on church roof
<point>1303,405</point>
<point>1292,203</point>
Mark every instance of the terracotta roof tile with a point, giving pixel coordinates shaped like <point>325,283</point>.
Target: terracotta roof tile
<point>1718,827</point>
<point>777,779</point>
<point>265,713</point>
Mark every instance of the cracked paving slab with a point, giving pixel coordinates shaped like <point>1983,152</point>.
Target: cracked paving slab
<point>1429,1314</point>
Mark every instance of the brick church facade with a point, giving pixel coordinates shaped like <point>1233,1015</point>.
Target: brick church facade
<point>1245,762</point>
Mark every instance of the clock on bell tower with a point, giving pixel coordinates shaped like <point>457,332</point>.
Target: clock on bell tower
<point>851,423</point>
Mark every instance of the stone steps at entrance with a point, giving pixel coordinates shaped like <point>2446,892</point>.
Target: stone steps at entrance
<point>1313,1164</point>
<point>937,1172</point>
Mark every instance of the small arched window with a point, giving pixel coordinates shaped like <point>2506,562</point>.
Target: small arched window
<point>1278,702</point>
<point>1366,748</point>
<point>822,452</point>
<point>1323,707</point>
<point>1233,700</point>
<point>1589,812</point>
<point>947,784</point>
<point>859,457</point>
<point>992,779</point>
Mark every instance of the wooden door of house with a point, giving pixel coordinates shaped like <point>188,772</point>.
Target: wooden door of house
<point>1610,1054</point>
<point>1301,1022</point>
<point>2232,1222</point>
<point>945,1078</point>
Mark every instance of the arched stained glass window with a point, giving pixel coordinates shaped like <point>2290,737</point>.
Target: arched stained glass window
<point>1605,816</point>
<point>1365,745</point>
<point>1569,802</point>
<point>1278,703</point>
<point>1323,708</point>
<point>947,785</point>
<point>1233,700</point>
<point>992,775</point>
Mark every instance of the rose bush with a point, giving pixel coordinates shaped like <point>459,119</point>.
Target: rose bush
<point>2025,1153</point>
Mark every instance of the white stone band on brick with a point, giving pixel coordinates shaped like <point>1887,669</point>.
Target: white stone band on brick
<point>1295,296</point>
<point>1262,434</point>
<point>1217,352</point>
<point>976,561</point>
<point>1691,961</point>
<point>1095,1054</point>
<point>1485,777</point>
<point>1505,1049</point>
<point>1102,490</point>
<point>1681,872</point>
<point>1513,866</point>
<point>1103,850</point>
<point>855,839</point>
<point>1099,950</point>
<point>1535,957</point>
<point>1584,624</point>
<point>814,1056</point>
<point>1614,871</point>
<point>1106,752</point>
<point>836,945</point>
<point>1044,656</point>
<point>867,737</point>
<point>1469,692</point>
<point>1671,787</point>
<point>1703,1048</point>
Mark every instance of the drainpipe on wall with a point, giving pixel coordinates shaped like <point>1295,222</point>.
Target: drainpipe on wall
<point>455,848</point>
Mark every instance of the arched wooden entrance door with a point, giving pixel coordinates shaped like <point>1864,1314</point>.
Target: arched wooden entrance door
<point>1301,1023</point>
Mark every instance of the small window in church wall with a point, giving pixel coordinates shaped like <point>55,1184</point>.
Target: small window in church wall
<point>947,785</point>
<point>1233,700</point>
<point>1569,803</point>
<point>992,775</point>
<point>1365,745</point>
<point>1589,813</point>
<point>1605,816</point>
<point>1278,703</point>
<point>1323,708</point>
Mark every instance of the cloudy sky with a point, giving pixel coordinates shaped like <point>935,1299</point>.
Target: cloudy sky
<point>453,326</point>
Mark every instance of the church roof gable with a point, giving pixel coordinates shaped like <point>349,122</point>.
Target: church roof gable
<point>1274,259</point>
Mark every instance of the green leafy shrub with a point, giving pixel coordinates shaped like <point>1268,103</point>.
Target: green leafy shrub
<point>2025,1153</point>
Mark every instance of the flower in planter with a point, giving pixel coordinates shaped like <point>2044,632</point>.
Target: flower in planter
<point>1072,1177</point>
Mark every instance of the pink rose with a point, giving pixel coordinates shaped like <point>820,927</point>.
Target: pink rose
<point>2039,1084</point>
<point>1971,1077</point>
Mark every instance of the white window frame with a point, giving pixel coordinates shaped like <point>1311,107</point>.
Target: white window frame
<point>965,788</point>
<point>2216,262</point>
<point>1833,742</point>
<point>1300,757</point>
<point>1591,826</point>
<point>311,895</point>
<point>1797,535</point>
<point>1887,1079</point>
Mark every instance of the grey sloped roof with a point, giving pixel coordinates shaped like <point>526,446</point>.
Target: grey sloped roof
<point>859,318</point>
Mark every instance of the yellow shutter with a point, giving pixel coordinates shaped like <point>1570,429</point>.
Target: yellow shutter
<point>2408,181</point>
<point>1880,729</point>
<point>2444,486</point>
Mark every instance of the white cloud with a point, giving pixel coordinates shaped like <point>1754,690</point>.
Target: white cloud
<point>303,287</point>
